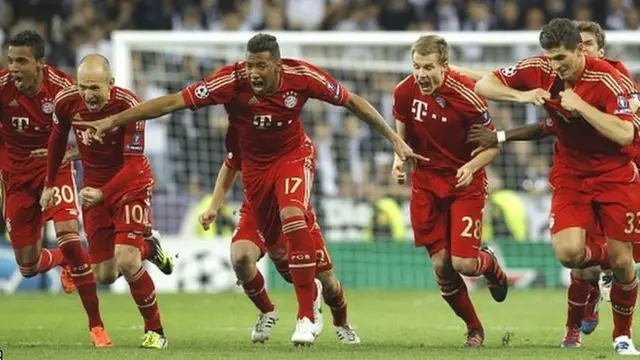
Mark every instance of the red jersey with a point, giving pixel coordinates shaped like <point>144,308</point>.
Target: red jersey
<point>26,120</point>
<point>579,148</point>
<point>268,126</point>
<point>234,159</point>
<point>627,79</point>
<point>437,125</point>
<point>103,160</point>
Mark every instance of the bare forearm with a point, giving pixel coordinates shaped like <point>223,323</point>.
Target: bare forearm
<point>367,113</point>
<point>612,127</point>
<point>530,132</point>
<point>493,89</point>
<point>151,109</point>
<point>475,74</point>
<point>483,159</point>
<point>401,129</point>
<point>224,182</point>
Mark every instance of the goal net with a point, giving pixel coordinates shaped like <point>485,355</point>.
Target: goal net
<point>364,215</point>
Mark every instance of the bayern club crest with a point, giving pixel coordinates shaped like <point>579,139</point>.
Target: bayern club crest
<point>47,107</point>
<point>290,99</point>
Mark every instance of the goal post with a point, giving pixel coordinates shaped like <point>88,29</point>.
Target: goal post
<point>364,215</point>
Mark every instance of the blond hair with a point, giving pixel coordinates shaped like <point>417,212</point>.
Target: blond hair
<point>431,44</point>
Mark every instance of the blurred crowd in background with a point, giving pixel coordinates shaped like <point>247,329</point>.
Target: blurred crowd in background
<point>353,163</point>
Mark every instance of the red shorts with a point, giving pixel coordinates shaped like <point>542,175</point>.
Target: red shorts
<point>287,182</point>
<point>21,203</point>
<point>121,223</point>
<point>247,230</point>
<point>579,202</point>
<point>597,236</point>
<point>444,217</point>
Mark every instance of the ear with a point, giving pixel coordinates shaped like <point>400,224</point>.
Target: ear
<point>42,61</point>
<point>601,53</point>
<point>112,81</point>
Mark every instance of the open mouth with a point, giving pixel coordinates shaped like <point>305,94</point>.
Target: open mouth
<point>425,85</point>
<point>18,80</point>
<point>93,103</point>
<point>257,84</point>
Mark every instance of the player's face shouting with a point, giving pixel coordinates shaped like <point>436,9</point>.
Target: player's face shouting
<point>590,44</point>
<point>25,69</point>
<point>428,71</point>
<point>263,71</point>
<point>95,88</point>
<point>566,63</point>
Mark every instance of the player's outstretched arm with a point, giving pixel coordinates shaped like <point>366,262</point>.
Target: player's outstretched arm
<point>609,125</point>
<point>483,158</point>
<point>475,74</point>
<point>150,109</point>
<point>224,182</point>
<point>485,138</point>
<point>493,89</point>
<point>367,113</point>
<point>56,150</point>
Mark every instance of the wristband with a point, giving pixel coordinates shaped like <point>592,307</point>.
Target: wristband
<point>502,136</point>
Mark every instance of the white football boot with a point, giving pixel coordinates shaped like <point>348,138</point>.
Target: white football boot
<point>262,329</point>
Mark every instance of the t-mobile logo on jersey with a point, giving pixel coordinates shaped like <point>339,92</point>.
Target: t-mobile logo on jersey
<point>419,109</point>
<point>20,123</point>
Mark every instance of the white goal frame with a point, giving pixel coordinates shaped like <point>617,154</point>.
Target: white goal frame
<point>124,42</point>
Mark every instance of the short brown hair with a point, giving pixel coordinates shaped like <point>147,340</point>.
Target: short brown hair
<point>560,32</point>
<point>431,44</point>
<point>594,28</point>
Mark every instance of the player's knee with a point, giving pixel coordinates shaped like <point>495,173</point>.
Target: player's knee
<point>330,283</point>
<point>65,227</point>
<point>570,254</point>
<point>105,278</point>
<point>464,266</point>
<point>290,212</point>
<point>621,261</point>
<point>441,263</point>
<point>128,259</point>
<point>241,261</point>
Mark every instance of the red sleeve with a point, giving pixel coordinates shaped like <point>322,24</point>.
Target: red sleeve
<point>613,96</point>
<point>401,100</point>
<point>322,86</point>
<point>525,75</point>
<point>233,159</point>
<point>465,100</point>
<point>217,89</point>
<point>57,141</point>
<point>627,80</point>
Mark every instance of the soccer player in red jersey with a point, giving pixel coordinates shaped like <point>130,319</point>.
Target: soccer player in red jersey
<point>593,178</point>
<point>27,90</point>
<point>434,109</point>
<point>264,96</point>
<point>584,293</point>
<point>117,187</point>
<point>248,246</point>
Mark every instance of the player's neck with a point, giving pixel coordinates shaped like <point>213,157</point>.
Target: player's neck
<point>37,85</point>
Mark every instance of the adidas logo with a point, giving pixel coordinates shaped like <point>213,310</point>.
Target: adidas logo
<point>13,103</point>
<point>77,117</point>
<point>253,100</point>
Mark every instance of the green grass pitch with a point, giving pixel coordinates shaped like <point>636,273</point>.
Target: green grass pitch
<point>392,325</point>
